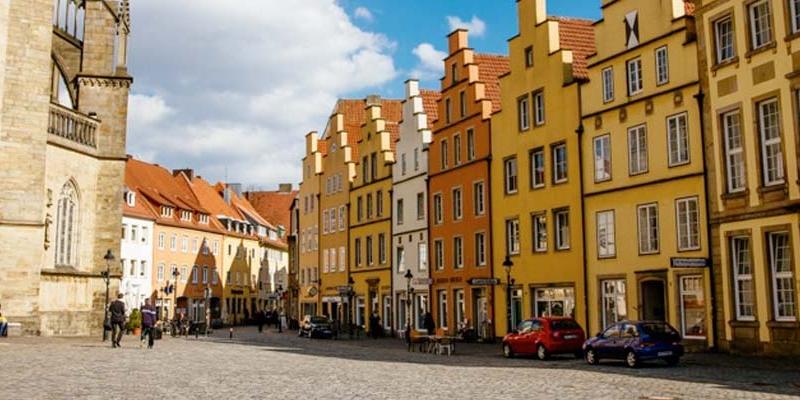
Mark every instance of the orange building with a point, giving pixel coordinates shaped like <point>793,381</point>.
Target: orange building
<point>459,158</point>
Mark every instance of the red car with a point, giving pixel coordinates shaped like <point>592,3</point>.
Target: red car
<point>545,336</point>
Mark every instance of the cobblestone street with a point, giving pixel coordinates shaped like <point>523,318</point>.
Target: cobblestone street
<point>284,366</point>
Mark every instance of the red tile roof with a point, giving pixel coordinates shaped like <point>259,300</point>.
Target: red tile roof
<point>273,205</point>
<point>353,112</point>
<point>490,67</point>
<point>577,35</point>
<point>392,113</point>
<point>429,99</point>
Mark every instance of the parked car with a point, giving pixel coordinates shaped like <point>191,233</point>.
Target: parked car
<point>635,342</point>
<point>317,326</point>
<point>543,337</point>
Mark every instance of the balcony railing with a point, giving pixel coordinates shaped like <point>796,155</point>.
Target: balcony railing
<point>73,126</point>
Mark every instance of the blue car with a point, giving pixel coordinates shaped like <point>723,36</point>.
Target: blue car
<point>634,342</point>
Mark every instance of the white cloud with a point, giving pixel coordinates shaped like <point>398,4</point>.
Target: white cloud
<point>476,26</point>
<point>239,87</point>
<point>430,62</point>
<point>363,13</point>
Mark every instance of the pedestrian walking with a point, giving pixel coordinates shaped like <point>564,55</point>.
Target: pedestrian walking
<point>148,322</point>
<point>430,326</point>
<point>281,321</point>
<point>374,324</point>
<point>3,326</point>
<point>117,310</point>
<point>260,320</point>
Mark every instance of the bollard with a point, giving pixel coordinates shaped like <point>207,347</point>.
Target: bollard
<point>230,333</point>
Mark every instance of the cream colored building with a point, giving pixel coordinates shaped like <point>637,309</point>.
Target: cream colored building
<point>63,108</point>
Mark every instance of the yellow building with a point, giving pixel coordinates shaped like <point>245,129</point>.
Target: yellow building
<point>308,227</point>
<point>338,166</point>
<point>750,64</point>
<point>643,171</point>
<point>371,214</point>
<point>536,193</point>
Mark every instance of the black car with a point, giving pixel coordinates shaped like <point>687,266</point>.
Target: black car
<point>316,327</point>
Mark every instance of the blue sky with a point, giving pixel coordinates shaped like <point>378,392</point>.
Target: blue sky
<point>232,89</point>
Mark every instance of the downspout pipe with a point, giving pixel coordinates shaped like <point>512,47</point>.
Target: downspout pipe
<point>579,131</point>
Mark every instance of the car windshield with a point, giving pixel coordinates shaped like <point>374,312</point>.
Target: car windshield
<point>319,320</point>
<point>655,329</point>
<point>564,324</point>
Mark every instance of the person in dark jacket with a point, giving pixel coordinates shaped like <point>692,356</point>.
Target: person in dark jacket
<point>260,320</point>
<point>117,310</point>
<point>430,326</point>
<point>148,322</point>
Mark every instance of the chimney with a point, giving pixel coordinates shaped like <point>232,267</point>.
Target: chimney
<point>285,187</point>
<point>373,100</point>
<point>188,172</point>
<point>457,40</point>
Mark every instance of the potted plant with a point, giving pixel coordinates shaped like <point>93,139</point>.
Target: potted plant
<point>135,322</point>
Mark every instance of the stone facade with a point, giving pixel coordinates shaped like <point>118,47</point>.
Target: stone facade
<point>63,112</point>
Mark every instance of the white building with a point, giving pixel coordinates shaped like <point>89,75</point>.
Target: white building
<point>136,252</point>
<point>409,217</point>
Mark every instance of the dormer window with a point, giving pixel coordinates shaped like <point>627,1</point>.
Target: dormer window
<point>186,215</point>
<point>130,198</point>
<point>204,219</point>
<point>166,211</point>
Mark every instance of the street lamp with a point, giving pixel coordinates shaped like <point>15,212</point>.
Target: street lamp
<point>175,275</point>
<point>106,275</point>
<point>351,306</point>
<point>507,264</point>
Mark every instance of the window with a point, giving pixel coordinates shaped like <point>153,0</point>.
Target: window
<point>734,152</point>
<point>457,149</point>
<point>185,244</point>
<point>470,144</point>
<point>194,245</point>
<point>364,170</point>
<point>160,272</point>
<point>478,201</point>
<point>359,209</point>
<point>358,252</point>
<point>688,224</point>
<point>420,206</point>
<point>794,9</point>
<point>437,208</point>
<point>457,204</point>
<point>537,168</point>
<point>615,306</point>
<point>442,309</point>
<point>399,211</point>
<point>369,205</point>
<point>512,236</point>
<point>161,239</point>
<point>510,175</point>
<point>742,278</point>
<point>379,203</point>
<point>382,248</point>
<point>528,57</point>
<point>462,104</point>
<point>760,24</point>
<point>422,255</point>
<point>724,35</point>
<point>448,110</point>
<point>67,229</point>
<point>648,228</point>
<point>637,150</point>
<point>458,252</point>
<point>693,307</point>
<point>662,65</point>
<point>602,158</point>
<point>554,302</point>
<point>523,112</point>
<point>480,249</point>
<point>124,233</point>
<point>678,139</point>
<point>324,221</point>
<point>635,84</point>
<point>342,258</point>
<point>538,108</point>
<point>606,242</point>
<point>374,163</point>
<point>205,274</point>
<point>173,242</point>
<point>360,311</point>
<point>401,259</point>
<point>560,163</point>
<point>539,225</point>
<point>194,274</point>
<point>341,217</point>
<point>214,278</point>
<point>416,159</point>
<point>460,310</point>
<point>770,134</point>
<point>144,234</point>
<point>444,153</point>
<point>780,266</point>
<point>438,254</point>
<point>325,260</point>
<point>403,163</point>
<point>562,229</point>
<point>370,259</point>
<point>454,72</point>
<point>608,85</point>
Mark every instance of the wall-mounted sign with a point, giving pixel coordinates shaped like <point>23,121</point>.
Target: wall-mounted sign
<point>421,281</point>
<point>688,262</point>
<point>484,281</point>
<point>312,291</point>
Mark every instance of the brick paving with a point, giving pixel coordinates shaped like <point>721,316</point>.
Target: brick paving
<point>272,365</point>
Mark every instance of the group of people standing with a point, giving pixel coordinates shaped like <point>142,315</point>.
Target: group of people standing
<point>270,317</point>
<point>118,317</point>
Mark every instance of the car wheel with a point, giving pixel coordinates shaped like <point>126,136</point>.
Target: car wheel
<point>591,357</point>
<point>672,361</point>
<point>507,352</point>
<point>631,360</point>
<point>541,352</point>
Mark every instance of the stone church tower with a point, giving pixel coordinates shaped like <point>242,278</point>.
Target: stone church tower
<point>63,112</point>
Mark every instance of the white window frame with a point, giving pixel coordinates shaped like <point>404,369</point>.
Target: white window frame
<point>736,174</point>
<point>539,227</point>
<point>602,158</point>
<point>738,263</point>
<point>470,144</point>
<point>678,139</point>
<point>638,162</point>
<point>538,173</point>
<point>724,42</point>
<point>560,166</point>
<point>480,249</point>
<point>438,254</point>
<point>648,228</point>
<point>479,198</point>
<point>438,212</point>
<point>443,153</point>
<point>786,275</point>
<point>634,74</point>
<point>688,223</point>
<point>399,211</point>
<point>771,143</point>
<point>512,236</point>
<point>794,15</point>
<point>458,204</point>
<point>561,227</point>
<point>538,108</point>
<point>760,37</point>
<point>457,149</point>
<point>696,289</point>
<point>442,296</point>
<point>420,206</point>
<point>606,233</point>
<point>422,256</point>
<point>510,175</point>
<point>662,65</point>
<point>458,252</point>
<point>608,84</point>
<point>524,113</point>
<point>618,295</point>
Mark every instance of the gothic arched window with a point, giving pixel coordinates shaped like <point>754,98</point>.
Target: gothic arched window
<point>67,223</point>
